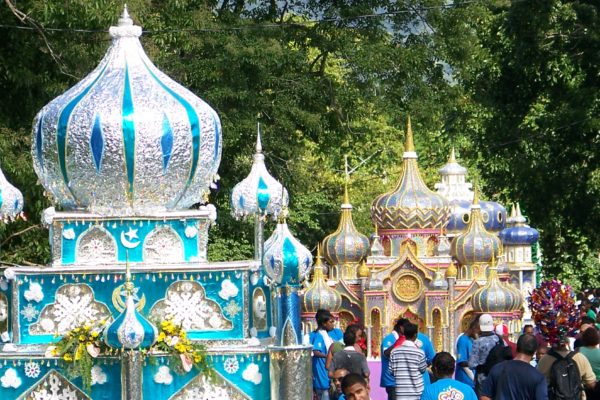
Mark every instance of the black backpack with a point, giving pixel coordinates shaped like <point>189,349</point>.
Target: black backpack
<point>500,352</point>
<point>565,379</point>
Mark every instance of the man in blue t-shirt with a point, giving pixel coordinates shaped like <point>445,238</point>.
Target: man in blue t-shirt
<point>321,340</point>
<point>516,379</point>
<point>445,387</point>
<point>425,344</point>
<point>464,345</point>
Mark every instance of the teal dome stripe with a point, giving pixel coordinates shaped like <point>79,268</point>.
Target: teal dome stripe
<point>128,131</point>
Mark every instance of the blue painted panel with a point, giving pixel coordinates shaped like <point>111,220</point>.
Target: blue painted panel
<point>37,368</point>
<point>166,142</point>
<point>233,368</point>
<point>97,143</point>
<point>152,286</point>
<point>118,228</point>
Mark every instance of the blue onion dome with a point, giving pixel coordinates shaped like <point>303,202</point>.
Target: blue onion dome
<point>259,193</point>
<point>346,246</point>
<point>411,205</point>
<point>318,294</point>
<point>493,297</point>
<point>476,245</point>
<point>11,200</point>
<point>494,215</point>
<point>127,139</point>
<point>460,211</point>
<point>286,260</point>
<point>130,330</point>
<point>519,233</point>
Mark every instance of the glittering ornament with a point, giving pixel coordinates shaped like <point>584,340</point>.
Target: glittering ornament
<point>554,311</point>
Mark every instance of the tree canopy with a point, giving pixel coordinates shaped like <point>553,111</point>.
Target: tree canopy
<point>512,85</point>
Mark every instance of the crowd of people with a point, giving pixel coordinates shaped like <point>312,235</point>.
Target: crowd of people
<point>488,365</point>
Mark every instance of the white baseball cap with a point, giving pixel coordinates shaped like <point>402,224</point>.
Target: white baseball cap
<point>486,323</point>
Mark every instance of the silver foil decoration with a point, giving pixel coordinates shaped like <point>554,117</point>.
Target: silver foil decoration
<point>54,386</point>
<point>291,373</point>
<point>131,375</point>
<point>280,248</point>
<point>131,332</point>
<point>11,200</point>
<point>127,139</point>
<point>259,193</point>
<point>202,388</point>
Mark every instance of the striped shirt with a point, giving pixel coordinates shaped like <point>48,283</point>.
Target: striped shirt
<point>407,364</point>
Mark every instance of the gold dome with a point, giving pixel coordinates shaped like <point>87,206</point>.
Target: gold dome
<point>411,205</point>
<point>319,295</point>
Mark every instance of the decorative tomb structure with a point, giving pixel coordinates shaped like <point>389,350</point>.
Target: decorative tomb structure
<point>125,154</point>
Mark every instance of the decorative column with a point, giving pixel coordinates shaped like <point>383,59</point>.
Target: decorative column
<point>131,375</point>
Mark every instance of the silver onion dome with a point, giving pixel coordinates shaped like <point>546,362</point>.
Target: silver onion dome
<point>11,199</point>
<point>286,260</point>
<point>127,139</point>
<point>259,193</point>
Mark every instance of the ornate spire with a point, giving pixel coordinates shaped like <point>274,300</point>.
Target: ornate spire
<point>411,204</point>
<point>346,246</point>
<point>409,145</point>
<point>319,295</point>
<point>452,158</point>
<point>259,193</point>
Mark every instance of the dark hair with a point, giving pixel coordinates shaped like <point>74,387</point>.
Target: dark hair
<point>410,330</point>
<point>587,320</point>
<point>527,326</point>
<point>350,334</point>
<point>474,324</point>
<point>590,337</point>
<point>351,380</point>
<point>443,364</point>
<point>322,316</point>
<point>527,344</point>
<point>400,322</point>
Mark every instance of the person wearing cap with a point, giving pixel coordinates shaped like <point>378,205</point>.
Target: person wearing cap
<point>481,348</point>
<point>502,331</point>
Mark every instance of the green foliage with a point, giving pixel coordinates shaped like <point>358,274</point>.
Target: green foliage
<point>513,86</point>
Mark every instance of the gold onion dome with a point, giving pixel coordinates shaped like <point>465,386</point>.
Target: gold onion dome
<point>494,296</point>
<point>476,245</point>
<point>411,205</point>
<point>452,271</point>
<point>319,295</point>
<point>345,246</point>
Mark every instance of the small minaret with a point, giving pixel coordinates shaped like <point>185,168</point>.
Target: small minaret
<point>518,239</point>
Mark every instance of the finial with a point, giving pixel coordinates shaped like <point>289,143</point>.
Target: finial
<point>518,210</point>
<point>476,194</point>
<point>128,286</point>
<point>125,12</point>
<point>258,142</point>
<point>376,230</point>
<point>513,211</point>
<point>452,158</point>
<point>346,179</point>
<point>409,145</point>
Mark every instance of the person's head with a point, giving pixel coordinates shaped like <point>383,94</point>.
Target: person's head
<point>541,351</point>
<point>528,329</point>
<point>410,331</point>
<point>587,320</point>
<point>590,337</point>
<point>325,320</point>
<point>338,375</point>
<point>443,365</point>
<point>399,325</point>
<point>486,323</point>
<point>527,344</point>
<point>473,329</point>
<point>501,330</point>
<point>350,335</point>
<point>355,387</point>
<point>585,304</point>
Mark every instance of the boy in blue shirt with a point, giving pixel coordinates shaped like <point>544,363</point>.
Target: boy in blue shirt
<point>464,345</point>
<point>445,387</point>
<point>321,340</point>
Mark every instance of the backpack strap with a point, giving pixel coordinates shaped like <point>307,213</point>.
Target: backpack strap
<point>556,354</point>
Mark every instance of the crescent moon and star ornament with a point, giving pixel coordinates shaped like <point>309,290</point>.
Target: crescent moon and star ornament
<point>128,237</point>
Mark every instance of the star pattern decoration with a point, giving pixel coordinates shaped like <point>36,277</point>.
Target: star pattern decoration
<point>131,234</point>
<point>29,312</point>
<point>232,308</point>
